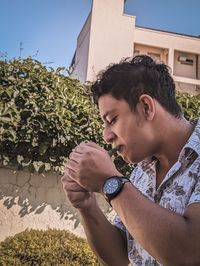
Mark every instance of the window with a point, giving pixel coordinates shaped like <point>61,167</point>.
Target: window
<point>185,60</point>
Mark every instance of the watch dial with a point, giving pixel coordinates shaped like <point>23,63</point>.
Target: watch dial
<point>111,186</point>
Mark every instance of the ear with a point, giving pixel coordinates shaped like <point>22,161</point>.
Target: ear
<point>147,105</point>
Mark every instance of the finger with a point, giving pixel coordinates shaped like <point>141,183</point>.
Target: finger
<point>76,150</point>
<point>78,146</point>
<point>72,165</point>
<point>77,198</point>
<point>73,187</point>
<point>75,157</point>
<point>70,173</point>
<point>68,181</point>
<point>67,169</point>
<point>66,178</point>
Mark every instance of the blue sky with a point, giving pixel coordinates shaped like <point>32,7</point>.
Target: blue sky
<point>48,29</point>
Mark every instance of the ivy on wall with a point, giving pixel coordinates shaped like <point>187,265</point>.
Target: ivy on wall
<point>45,114</point>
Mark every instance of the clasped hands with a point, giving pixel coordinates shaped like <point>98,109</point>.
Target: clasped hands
<point>89,165</point>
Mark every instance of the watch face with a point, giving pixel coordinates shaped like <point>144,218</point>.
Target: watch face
<point>111,185</point>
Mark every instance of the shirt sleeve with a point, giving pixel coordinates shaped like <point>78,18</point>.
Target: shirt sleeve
<point>195,196</point>
<point>118,223</point>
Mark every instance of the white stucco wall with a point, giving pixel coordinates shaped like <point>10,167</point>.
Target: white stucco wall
<point>111,35</point>
<point>36,201</point>
<point>167,40</point>
<point>82,49</point>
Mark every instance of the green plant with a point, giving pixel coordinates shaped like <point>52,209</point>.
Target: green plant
<point>50,247</point>
<point>43,115</point>
<point>190,104</point>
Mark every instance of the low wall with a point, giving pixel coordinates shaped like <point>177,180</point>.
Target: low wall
<point>37,201</point>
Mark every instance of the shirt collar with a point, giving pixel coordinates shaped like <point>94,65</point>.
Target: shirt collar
<point>194,140</point>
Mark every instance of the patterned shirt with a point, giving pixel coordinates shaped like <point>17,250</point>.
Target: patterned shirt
<point>179,188</point>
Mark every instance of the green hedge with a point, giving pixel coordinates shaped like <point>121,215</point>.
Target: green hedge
<point>190,104</point>
<point>45,114</point>
<point>50,247</point>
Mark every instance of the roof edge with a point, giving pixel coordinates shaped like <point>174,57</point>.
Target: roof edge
<point>182,34</point>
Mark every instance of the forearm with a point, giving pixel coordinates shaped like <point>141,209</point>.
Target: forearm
<point>163,233</point>
<point>105,240</point>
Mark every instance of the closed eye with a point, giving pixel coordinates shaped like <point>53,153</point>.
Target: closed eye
<point>112,121</point>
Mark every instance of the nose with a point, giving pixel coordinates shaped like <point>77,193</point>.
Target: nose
<point>108,135</point>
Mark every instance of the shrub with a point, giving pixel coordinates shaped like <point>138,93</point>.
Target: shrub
<point>50,247</point>
<point>43,115</point>
<point>190,104</point>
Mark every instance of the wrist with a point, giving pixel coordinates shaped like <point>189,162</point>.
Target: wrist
<point>120,197</point>
<point>113,186</point>
<point>89,213</point>
<point>90,207</point>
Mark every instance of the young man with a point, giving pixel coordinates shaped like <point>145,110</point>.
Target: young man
<point>158,207</point>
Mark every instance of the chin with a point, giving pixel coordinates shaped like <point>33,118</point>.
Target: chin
<point>126,157</point>
<point>132,160</point>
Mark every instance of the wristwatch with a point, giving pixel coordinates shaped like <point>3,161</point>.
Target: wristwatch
<point>112,186</point>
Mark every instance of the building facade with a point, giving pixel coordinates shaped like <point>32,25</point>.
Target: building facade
<point>109,35</point>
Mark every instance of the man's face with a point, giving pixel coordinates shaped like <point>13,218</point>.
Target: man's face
<point>126,129</point>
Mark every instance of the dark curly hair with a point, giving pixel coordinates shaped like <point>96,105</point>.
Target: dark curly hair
<point>131,78</point>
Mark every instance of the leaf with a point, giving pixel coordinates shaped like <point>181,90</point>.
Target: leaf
<point>20,158</point>
<point>37,165</point>
<point>41,169</point>
<point>43,148</point>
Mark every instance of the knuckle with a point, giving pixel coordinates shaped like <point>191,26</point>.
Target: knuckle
<point>88,153</point>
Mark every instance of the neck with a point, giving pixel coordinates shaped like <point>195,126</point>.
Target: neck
<point>173,136</point>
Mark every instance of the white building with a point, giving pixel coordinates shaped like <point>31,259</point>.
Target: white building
<point>109,35</point>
